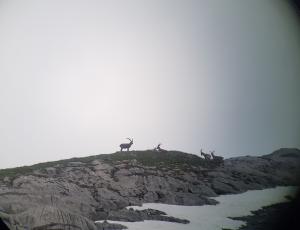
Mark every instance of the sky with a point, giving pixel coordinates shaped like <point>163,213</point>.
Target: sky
<point>79,77</point>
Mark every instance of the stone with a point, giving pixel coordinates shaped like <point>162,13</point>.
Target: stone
<point>93,190</point>
<point>109,226</point>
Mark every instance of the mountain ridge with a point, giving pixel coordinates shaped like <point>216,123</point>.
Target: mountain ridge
<point>72,193</point>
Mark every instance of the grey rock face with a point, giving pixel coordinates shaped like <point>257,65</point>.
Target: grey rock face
<point>109,226</point>
<point>47,217</point>
<point>73,194</point>
<point>141,215</point>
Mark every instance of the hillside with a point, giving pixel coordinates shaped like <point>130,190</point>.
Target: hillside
<point>71,194</point>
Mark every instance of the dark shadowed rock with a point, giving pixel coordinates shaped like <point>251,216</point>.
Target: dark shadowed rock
<point>109,226</point>
<point>131,215</point>
<point>266,218</point>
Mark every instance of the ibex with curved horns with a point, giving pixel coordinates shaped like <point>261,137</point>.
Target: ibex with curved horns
<point>126,145</point>
<point>206,155</point>
<point>159,149</point>
<point>216,158</point>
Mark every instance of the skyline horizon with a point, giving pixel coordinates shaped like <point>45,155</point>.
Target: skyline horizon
<point>143,150</point>
<point>79,77</point>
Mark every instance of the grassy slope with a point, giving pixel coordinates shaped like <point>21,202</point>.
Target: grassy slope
<point>168,159</point>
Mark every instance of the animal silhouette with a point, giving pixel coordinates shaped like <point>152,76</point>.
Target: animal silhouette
<point>206,155</point>
<point>126,145</point>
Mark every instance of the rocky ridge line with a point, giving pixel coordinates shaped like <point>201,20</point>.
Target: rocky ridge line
<point>72,194</point>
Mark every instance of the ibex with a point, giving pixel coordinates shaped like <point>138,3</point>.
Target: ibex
<point>216,158</point>
<point>126,145</point>
<point>206,155</point>
<point>159,149</point>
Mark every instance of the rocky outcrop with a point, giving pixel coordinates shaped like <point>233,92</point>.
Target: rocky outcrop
<point>73,193</point>
<point>47,217</point>
<point>131,215</point>
<point>109,226</point>
<point>273,217</point>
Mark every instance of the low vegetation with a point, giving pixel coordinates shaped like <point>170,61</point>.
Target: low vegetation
<point>174,159</point>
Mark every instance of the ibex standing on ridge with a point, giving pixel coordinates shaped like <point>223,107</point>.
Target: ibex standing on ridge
<point>159,149</point>
<point>126,145</point>
<point>206,155</point>
<point>216,158</point>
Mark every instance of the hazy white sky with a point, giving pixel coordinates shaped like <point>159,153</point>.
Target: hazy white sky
<point>78,77</point>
